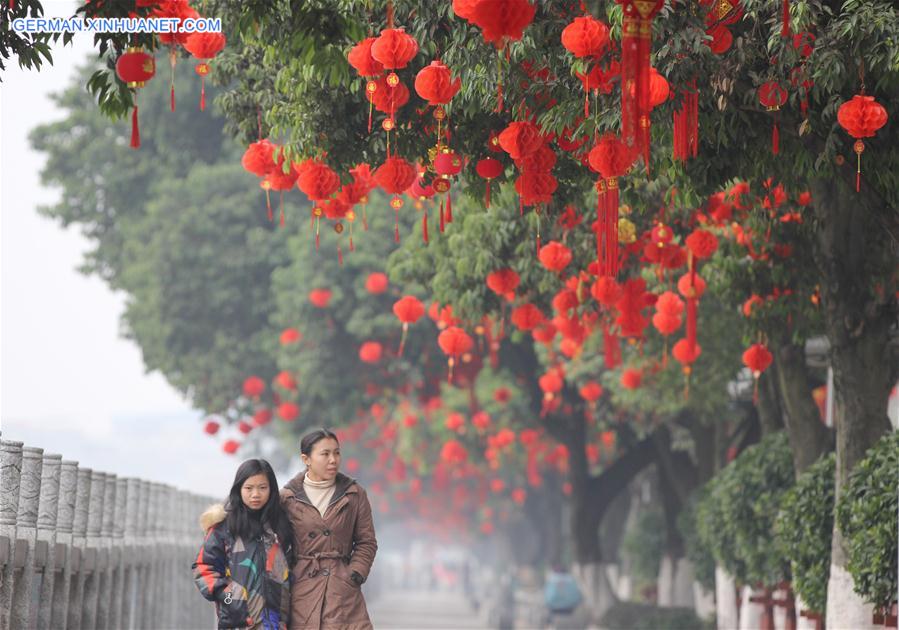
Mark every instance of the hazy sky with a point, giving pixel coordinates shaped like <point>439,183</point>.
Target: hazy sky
<point>68,382</point>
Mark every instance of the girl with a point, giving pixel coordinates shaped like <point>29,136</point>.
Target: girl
<point>243,566</point>
<point>331,518</point>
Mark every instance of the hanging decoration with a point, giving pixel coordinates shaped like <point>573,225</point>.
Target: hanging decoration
<point>180,10</point>
<point>408,309</point>
<point>135,68</point>
<point>686,124</point>
<point>395,176</point>
<point>861,117</point>
<point>636,46</point>
<point>489,169</point>
<point>686,354</point>
<point>757,358</point>
<point>611,157</point>
<point>259,160</point>
<point>772,96</point>
<point>278,180</point>
<point>204,46</point>
<point>318,181</point>
<point>366,66</point>
<point>586,37</point>
<point>454,342</point>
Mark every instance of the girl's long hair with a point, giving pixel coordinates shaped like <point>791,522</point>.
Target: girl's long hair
<point>241,523</point>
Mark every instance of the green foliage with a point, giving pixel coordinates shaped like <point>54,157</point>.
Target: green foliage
<point>804,529</point>
<point>698,553</point>
<point>631,616</point>
<point>31,50</point>
<point>644,545</point>
<point>736,516</point>
<point>866,516</point>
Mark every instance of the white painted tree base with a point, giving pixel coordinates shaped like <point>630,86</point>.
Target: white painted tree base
<point>750,614</point>
<point>703,602</point>
<point>594,584</point>
<point>802,623</point>
<point>845,609</point>
<point>725,600</point>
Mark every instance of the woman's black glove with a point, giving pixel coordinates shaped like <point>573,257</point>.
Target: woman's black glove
<point>357,578</point>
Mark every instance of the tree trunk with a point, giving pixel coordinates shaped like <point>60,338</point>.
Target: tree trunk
<point>809,438</point>
<point>854,253</point>
<point>770,412</point>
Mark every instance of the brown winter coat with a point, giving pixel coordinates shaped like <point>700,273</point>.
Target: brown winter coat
<point>323,595</point>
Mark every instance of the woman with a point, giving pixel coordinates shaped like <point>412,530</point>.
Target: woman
<point>331,518</point>
<point>244,563</point>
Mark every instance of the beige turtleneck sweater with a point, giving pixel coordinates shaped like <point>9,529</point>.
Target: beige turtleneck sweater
<point>319,492</point>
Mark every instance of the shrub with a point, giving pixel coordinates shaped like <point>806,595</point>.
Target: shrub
<point>866,516</point>
<point>699,554</point>
<point>736,517</point>
<point>632,616</point>
<point>804,529</point>
<point>644,545</point>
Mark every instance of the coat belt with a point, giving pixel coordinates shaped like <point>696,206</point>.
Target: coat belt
<point>323,555</point>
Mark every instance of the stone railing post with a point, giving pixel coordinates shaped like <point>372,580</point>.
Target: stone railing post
<point>104,555</point>
<point>117,562</point>
<point>10,480</point>
<point>26,530</point>
<point>132,509</point>
<point>45,552</point>
<point>68,491</point>
<point>91,564</point>
<point>79,541</point>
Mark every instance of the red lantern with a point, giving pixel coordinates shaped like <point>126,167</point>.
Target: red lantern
<point>211,427</point>
<point>290,336</point>
<point>520,139</point>
<point>551,383</point>
<point>453,452</point>
<point>204,46</point>
<point>555,256</point>
<point>253,387</point>
<point>318,181</point>
<point>394,49</point>
<point>669,309</point>
<point>591,391</point>
<point>536,188</point>
<point>722,39</point>
<point>370,352</point>
<point>320,297</point>
<point>527,317</point>
<point>434,83</point>
<point>540,161</point>
<point>772,96</point>
<point>408,310</point>
<point>361,59</point>
<point>502,21</point>
<point>231,446</point>
<point>286,380</point>
<point>691,286</point>
<point>258,158</point>
<point>607,291</point>
<point>262,417</point>
<point>447,163</point>
<point>288,411</point>
<point>757,358</point>
<point>685,354</point>
<point>701,243</point>
<point>489,168</point>
<point>861,117</point>
<point>658,88</point>
<point>585,37</point>
<point>135,68</point>
<point>376,283</point>
<point>503,281</point>
<point>454,342</point>
<point>631,378</point>
<point>611,158</point>
<point>395,175</point>
<point>388,97</point>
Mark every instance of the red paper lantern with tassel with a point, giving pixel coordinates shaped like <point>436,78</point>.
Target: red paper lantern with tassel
<point>591,391</point>
<point>253,387</point>
<point>669,309</point>
<point>659,91</point>
<point>701,243</point>
<point>520,139</point>
<point>318,181</point>
<point>135,68</point>
<point>502,21</point>
<point>757,358</point>
<point>204,46</point>
<point>528,317</point>
<point>773,96</point>
<point>861,117</point>
<point>611,158</point>
<point>408,309</point>
<point>435,84</point>
<point>320,298</point>
<point>394,48</point>
<point>585,37</point>
<point>395,176</point>
<point>454,342</point>
<point>361,59</point>
<point>180,10</point>
<point>489,169</point>
<point>259,158</point>
<point>388,98</point>
<point>376,283</point>
<point>503,281</point>
<point>636,45</point>
<point>686,354</point>
<point>631,378</point>
<point>278,180</point>
<point>370,352</point>
<point>536,188</point>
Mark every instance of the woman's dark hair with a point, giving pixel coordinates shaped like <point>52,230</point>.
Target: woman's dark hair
<point>246,523</point>
<point>311,439</point>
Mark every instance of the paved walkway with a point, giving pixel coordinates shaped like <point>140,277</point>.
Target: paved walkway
<point>424,610</point>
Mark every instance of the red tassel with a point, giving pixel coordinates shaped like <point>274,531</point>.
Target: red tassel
<point>364,217</point>
<point>203,94</point>
<point>403,339</point>
<point>370,106</point>
<point>775,140</point>
<point>317,241</point>
<point>487,197</point>
<point>586,103</point>
<point>396,227</point>
<point>352,246</point>
<point>538,246</point>
<point>268,205</point>
<point>282,208</point>
<point>339,256</point>
<point>692,310</point>
<point>520,206</point>
<point>173,59</point>
<point>172,97</point>
<point>785,29</point>
<point>442,217</point>
<point>135,129</point>
<point>424,227</point>
<point>449,208</point>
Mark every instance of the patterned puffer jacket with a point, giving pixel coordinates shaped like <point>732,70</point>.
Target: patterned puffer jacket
<point>248,580</point>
